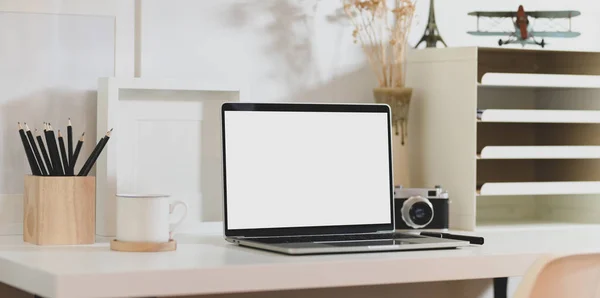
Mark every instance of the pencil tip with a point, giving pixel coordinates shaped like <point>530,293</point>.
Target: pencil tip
<point>83,134</point>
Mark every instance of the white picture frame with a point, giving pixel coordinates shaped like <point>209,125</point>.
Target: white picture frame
<point>157,128</point>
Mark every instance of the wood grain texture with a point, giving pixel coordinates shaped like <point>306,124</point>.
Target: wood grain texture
<point>505,134</point>
<point>143,246</point>
<point>495,170</point>
<point>59,210</point>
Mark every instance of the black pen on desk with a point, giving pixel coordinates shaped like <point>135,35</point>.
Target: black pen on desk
<point>63,153</point>
<point>43,150</point>
<point>28,152</point>
<point>87,167</point>
<point>471,239</point>
<point>36,152</point>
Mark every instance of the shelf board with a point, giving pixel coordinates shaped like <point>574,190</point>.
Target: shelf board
<point>539,188</point>
<point>529,224</point>
<point>538,116</point>
<point>540,152</point>
<point>518,80</point>
<point>515,86</point>
<point>532,225</point>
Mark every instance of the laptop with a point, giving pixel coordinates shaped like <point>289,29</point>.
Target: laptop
<point>312,179</point>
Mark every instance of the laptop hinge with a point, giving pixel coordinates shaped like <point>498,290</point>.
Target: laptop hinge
<point>309,235</point>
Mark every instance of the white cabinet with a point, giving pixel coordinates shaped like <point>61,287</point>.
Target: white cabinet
<point>514,135</point>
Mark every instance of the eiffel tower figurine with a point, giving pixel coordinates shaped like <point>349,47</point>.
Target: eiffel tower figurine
<point>432,34</point>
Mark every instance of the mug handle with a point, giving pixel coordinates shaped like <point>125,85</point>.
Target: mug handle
<point>174,224</point>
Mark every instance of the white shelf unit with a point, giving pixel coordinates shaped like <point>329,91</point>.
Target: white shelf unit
<point>513,135</point>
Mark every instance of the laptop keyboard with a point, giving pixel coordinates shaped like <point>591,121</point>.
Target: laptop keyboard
<point>323,238</point>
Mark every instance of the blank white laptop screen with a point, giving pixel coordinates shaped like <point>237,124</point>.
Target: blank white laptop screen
<point>306,169</point>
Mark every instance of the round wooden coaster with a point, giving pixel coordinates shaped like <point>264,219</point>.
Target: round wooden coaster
<point>143,246</point>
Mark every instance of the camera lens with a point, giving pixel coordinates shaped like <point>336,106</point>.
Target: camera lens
<point>417,212</point>
<point>420,213</point>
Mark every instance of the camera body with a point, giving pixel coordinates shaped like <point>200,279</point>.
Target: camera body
<point>421,208</point>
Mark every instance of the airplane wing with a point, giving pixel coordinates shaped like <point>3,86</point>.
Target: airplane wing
<point>565,34</point>
<point>564,14</point>
<point>490,33</point>
<point>494,14</point>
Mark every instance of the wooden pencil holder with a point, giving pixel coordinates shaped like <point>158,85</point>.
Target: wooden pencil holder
<point>59,210</point>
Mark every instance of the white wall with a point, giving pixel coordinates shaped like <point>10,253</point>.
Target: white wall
<point>11,209</point>
<point>286,50</point>
<point>122,10</point>
<point>302,50</point>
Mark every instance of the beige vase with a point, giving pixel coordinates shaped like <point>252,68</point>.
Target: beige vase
<point>399,101</point>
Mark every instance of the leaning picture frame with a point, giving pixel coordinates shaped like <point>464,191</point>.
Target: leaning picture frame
<point>165,140</point>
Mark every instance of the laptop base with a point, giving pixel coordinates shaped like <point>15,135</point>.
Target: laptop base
<point>409,243</point>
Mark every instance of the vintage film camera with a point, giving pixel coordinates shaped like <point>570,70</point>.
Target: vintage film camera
<point>421,208</point>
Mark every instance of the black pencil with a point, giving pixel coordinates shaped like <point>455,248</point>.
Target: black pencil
<point>36,152</point>
<point>70,143</point>
<point>63,153</point>
<point>53,149</point>
<point>89,163</point>
<point>47,137</point>
<point>44,152</point>
<point>73,161</point>
<point>50,151</point>
<point>28,152</point>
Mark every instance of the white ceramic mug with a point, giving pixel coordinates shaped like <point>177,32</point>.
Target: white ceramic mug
<point>146,218</point>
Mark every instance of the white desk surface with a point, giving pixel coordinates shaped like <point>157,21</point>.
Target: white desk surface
<point>207,264</point>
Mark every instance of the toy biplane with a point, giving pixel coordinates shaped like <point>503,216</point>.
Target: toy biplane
<point>524,32</point>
